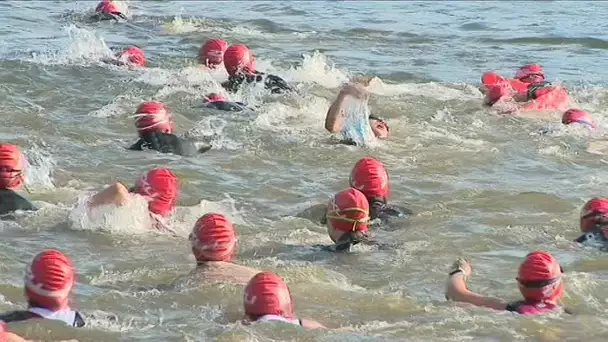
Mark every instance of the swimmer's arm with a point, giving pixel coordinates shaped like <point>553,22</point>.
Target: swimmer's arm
<point>10,337</point>
<point>117,194</point>
<point>457,291</point>
<point>334,121</point>
<point>307,323</point>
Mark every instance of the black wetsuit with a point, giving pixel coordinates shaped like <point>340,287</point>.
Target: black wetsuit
<point>99,16</point>
<point>533,89</point>
<point>11,201</point>
<point>275,84</point>
<point>227,106</point>
<point>24,315</point>
<point>167,143</point>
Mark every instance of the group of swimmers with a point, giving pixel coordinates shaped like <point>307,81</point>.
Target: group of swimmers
<point>348,215</point>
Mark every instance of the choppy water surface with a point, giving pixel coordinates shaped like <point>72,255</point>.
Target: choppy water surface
<point>481,185</point>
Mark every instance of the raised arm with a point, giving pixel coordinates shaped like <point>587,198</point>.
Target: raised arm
<point>456,288</point>
<point>334,121</point>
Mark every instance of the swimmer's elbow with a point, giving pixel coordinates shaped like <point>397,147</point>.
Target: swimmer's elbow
<point>117,194</point>
<point>331,126</point>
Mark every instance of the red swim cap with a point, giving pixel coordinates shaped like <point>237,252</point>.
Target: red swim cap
<point>214,97</point>
<point>211,53</point>
<point>49,280</point>
<point>239,58</point>
<point>370,177</point>
<point>530,70</point>
<point>213,238</point>
<point>152,117</point>
<point>267,294</point>
<point>11,166</point>
<point>133,56</point>
<point>161,187</point>
<point>594,213</point>
<point>348,211</point>
<point>107,7</point>
<point>490,78</point>
<point>540,278</point>
<point>579,116</point>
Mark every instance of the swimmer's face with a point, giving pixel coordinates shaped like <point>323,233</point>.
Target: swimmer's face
<point>380,129</point>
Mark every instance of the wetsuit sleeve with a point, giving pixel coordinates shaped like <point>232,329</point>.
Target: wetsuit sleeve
<point>25,204</point>
<point>226,106</point>
<point>138,146</point>
<point>513,307</point>
<point>276,84</point>
<point>188,147</point>
<point>78,320</point>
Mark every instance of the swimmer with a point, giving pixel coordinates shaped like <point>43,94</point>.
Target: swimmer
<point>240,64</point>
<point>12,168</point>
<point>347,219</point>
<point>336,114</point>
<point>214,244</point>
<point>371,178</point>
<point>108,10</point>
<point>159,186</point>
<point>48,283</point>
<point>594,223</point>
<point>538,95</point>
<point>154,125</point>
<point>131,56</point>
<point>220,102</point>
<point>268,299</point>
<point>211,53</point>
<point>540,283</point>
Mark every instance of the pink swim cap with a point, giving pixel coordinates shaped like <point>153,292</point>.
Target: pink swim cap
<point>576,115</point>
<point>214,97</point>
<point>211,53</point>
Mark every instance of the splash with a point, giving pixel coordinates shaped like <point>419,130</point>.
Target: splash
<point>356,123</point>
<point>317,69</point>
<point>81,46</point>
<point>131,218</point>
<point>39,166</point>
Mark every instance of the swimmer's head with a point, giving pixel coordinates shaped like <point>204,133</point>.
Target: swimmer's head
<point>540,278</point>
<point>213,238</point>
<point>574,115</point>
<point>108,10</point>
<point>594,215</point>
<point>160,187</point>
<point>214,97</point>
<point>211,53</point>
<point>371,178</point>
<point>132,56</point>
<point>12,166</point>
<point>347,217</point>
<point>238,58</point>
<point>49,280</point>
<point>153,117</point>
<point>267,294</point>
<point>379,127</point>
<point>530,73</point>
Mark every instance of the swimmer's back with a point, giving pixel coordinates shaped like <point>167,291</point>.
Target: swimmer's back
<point>11,201</point>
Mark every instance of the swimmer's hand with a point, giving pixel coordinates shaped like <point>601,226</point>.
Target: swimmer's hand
<point>355,90</point>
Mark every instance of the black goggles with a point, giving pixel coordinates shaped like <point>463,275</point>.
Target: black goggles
<point>537,284</point>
